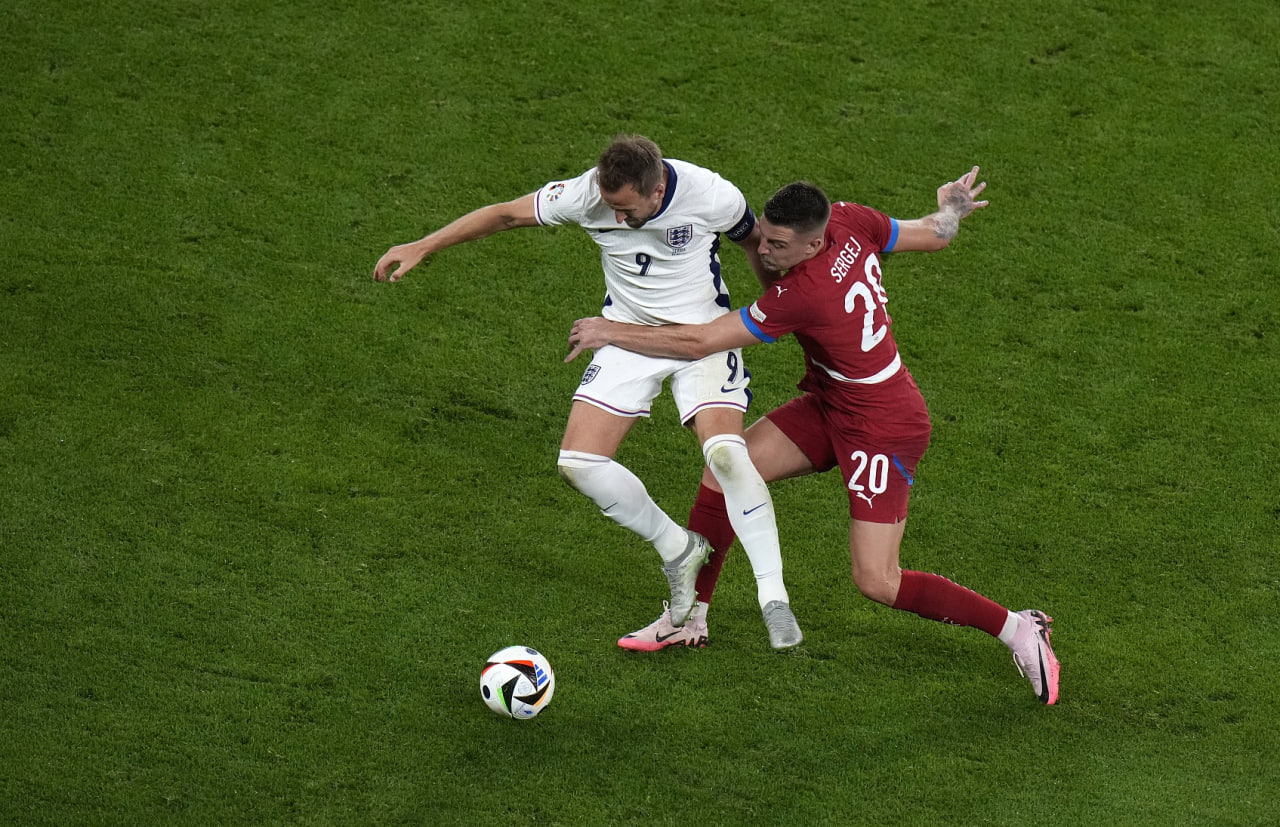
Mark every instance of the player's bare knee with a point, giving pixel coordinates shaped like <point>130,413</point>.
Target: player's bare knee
<point>875,586</point>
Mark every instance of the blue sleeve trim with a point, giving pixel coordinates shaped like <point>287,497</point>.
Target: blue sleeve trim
<point>745,313</point>
<point>893,235</point>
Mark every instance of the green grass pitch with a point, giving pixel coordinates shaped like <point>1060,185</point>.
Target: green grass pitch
<point>262,519</point>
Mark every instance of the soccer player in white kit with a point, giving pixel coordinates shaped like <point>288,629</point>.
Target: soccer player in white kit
<point>658,224</point>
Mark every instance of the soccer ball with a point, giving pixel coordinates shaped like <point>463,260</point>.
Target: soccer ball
<point>517,682</point>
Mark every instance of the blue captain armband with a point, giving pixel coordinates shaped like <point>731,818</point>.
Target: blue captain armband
<point>745,313</point>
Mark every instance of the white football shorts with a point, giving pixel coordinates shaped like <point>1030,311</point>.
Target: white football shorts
<point>625,383</point>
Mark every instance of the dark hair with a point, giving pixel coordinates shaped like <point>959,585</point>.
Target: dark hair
<point>800,206</point>
<point>630,159</point>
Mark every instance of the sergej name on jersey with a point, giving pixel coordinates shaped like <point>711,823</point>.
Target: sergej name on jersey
<point>840,267</point>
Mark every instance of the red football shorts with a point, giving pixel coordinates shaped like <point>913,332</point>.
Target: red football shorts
<point>877,462</point>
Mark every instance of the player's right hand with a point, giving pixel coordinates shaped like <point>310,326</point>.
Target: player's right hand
<point>587,334</point>
<point>406,255</point>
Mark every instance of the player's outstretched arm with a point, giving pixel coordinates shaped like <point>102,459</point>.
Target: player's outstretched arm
<point>673,341</point>
<point>935,231</point>
<point>476,224</point>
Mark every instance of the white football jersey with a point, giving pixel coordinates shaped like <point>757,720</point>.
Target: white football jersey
<point>667,271</point>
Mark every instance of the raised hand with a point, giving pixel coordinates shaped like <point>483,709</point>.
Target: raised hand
<point>958,195</point>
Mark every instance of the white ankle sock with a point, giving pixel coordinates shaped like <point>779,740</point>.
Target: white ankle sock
<point>1009,632</point>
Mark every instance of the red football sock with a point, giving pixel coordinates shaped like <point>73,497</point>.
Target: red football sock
<point>710,519</point>
<point>937,598</point>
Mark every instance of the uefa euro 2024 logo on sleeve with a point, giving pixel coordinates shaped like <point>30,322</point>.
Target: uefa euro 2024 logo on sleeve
<point>678,237</point>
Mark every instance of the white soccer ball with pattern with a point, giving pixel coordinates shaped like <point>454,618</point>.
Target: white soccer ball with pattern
<point>517,682</point>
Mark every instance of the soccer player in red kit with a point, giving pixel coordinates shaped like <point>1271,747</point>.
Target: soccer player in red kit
<point>860,409</point>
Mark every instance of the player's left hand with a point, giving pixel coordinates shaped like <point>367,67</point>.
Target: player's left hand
<point>959,194</point>
<point>587,334</point>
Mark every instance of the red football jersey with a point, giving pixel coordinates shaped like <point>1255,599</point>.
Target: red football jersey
<point>865,411</point>
<point>836,306</point>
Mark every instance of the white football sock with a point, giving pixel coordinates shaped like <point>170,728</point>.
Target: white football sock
<point>750,512</point>
<point>1009,633</point>
<point>622,497</point>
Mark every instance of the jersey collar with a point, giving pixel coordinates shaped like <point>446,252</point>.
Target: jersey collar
<point>670,192</point>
